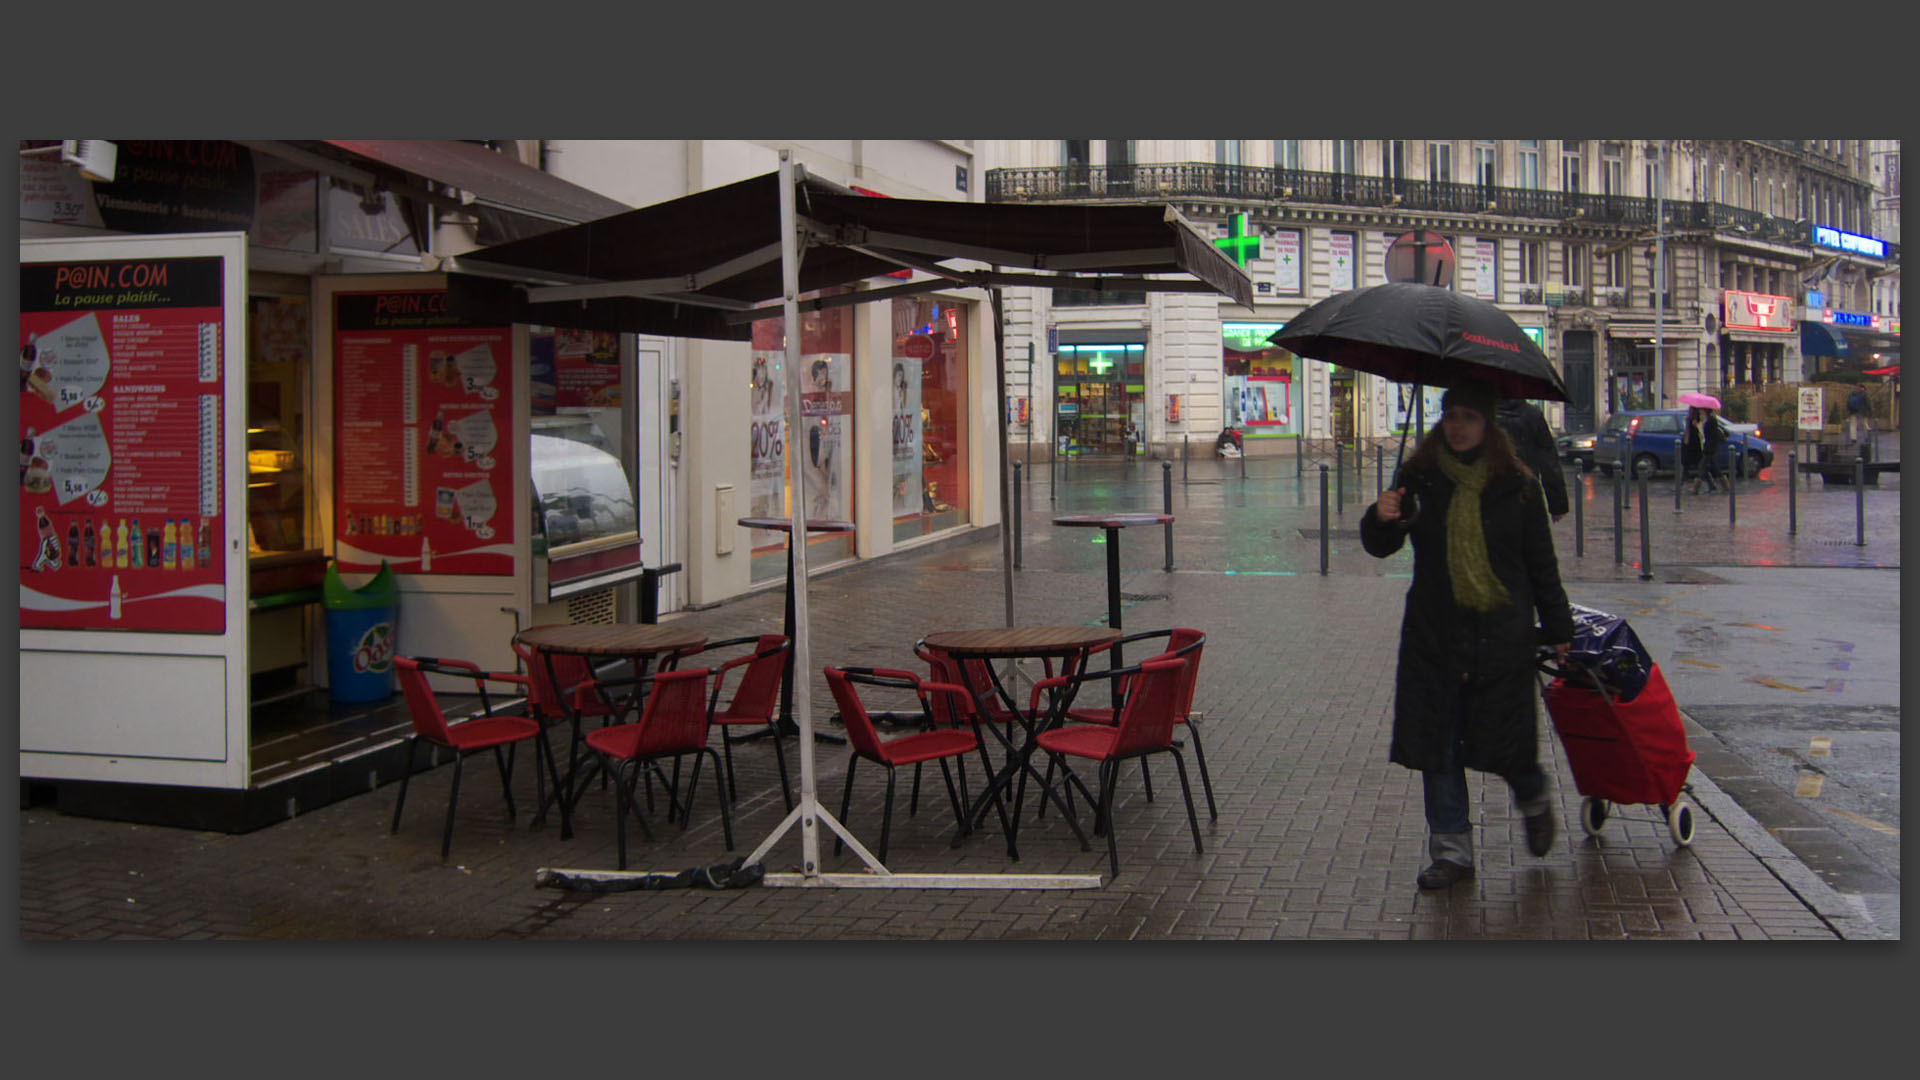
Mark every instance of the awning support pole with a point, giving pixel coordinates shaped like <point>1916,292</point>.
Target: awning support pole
<point>1000,449</point>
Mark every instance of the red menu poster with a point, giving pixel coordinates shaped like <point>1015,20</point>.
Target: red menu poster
<point>423,437</point>
<point>120,469</point>
<point>586,369</point>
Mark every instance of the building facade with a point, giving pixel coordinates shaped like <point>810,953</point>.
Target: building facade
<point>1645,269</point>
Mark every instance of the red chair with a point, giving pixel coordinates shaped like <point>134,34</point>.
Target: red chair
<point>1183,643</point>
<point>672,724</point>
<point>945,712</point>
<point>555,680</point>
<point>865,742</point>
<point>466,737</point>
<point>1154,693</point>
<point>755,701</point>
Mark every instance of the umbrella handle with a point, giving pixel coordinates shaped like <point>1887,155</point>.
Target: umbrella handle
<point>1409,502</point>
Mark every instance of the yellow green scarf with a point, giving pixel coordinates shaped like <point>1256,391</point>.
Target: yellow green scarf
<point>1475,586</point>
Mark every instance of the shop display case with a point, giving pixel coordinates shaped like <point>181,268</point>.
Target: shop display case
<point>586,528</point>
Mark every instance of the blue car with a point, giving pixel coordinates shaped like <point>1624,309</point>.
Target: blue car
<point>1650,439</point>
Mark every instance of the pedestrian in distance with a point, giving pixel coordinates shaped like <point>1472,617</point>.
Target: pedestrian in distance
<point>1700,444</point>
<point>1483,569</point>
<point>1526,425</point>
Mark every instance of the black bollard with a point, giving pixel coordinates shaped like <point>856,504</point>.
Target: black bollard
<point>1243,459</point>
<point>1579,516</point>
<point>1619,524</point>
<point>1300,458</point>
<point>1793,511</point>
<point>1166,504</point>
<point>1019,496</point>
<point>1859,503</point>
<point>1186,451</point>
<point>1646,536</point>
<point>1680,475</point>
<point>1339,478</point>
<point>1379,470</point>
<point>1733,490</point>
<point>1323,520</point>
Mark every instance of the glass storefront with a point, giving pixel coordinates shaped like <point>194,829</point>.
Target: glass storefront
<point>1262,382</point>
<point>928,383</point>
<point>825,450</point>
<point>1100,398</point>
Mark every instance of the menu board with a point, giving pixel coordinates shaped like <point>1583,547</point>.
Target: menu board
<point>586,369</point>
<point>423,436</point>
<point>120,467</point>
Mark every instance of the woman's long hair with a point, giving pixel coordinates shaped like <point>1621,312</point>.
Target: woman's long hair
<point>1496,446</point>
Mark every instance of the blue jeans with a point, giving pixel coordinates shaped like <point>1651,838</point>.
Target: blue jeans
<point>1446,798</point>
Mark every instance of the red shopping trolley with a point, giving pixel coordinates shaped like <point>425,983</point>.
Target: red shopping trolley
<point>1622,751</point>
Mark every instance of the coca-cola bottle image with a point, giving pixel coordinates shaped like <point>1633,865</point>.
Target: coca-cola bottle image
<point>87,543</point>
<point>73,543</point>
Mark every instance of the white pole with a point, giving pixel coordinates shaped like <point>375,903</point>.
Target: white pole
<point>797,538</point>
<point>1659,270</point>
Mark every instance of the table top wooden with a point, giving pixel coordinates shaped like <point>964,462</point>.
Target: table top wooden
<point>617,639</point>
<point>780,524</point>
<point>1017,641</point>
<point>1112,521</point>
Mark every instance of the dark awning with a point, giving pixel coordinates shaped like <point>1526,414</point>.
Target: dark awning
<point>495,179</point>
<point>720,249</point>
<point>1819,339</point>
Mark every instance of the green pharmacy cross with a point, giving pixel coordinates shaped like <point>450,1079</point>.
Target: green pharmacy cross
<point>1101,363</point>
<point>1238,242</point>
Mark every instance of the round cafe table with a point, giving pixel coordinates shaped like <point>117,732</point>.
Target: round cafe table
<point>639,643</point>
<point>1112,523</point>
<point>785,525</point>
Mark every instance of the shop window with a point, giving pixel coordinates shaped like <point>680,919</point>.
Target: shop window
<point>929,416</point>
<point>1261,382</point>
<point>278,366</point>
<point>825,450</point>
<point>1099,398</point>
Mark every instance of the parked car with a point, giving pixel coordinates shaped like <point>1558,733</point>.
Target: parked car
<point>1577,449</point>
<point>1650,439</point>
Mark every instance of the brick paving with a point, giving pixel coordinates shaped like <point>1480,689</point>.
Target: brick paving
<point>1318,837</point>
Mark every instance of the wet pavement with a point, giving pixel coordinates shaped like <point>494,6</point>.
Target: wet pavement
<point>1318,835</point>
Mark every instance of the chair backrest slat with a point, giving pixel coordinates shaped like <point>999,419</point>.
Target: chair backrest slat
<point>758,694</point>
<point>1148,715</point>
<point>861,733</point>
<point>675,717</point>
<point>423,707</point>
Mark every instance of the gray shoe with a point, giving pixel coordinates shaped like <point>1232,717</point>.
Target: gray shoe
<point>1443,874</point>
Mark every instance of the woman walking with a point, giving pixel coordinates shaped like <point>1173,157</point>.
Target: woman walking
<point>1483,568</point>
<point>1700,448</point>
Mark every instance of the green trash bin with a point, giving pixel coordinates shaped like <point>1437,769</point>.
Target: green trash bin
<point>361,635</point>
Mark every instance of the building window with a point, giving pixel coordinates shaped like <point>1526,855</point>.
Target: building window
<point>1393,156</point>
<point>1530,259</point>
<point>1613,168</point>
<point>1616,268</point>
<point>1346,156</point>
<point>1076,152</point>
<point>1486,164</point>
<point>1227,151</point>
<point>1440,162</point>
<point>1529,163</point>
<point>1571,166</point>
<point>928,388</point>
<point>1286,153</point>
<point>1092,298</point>
<point>1753,188</point>
<point>1576,265</point>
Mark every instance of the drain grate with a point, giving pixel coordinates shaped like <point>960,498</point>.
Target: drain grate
<point>1138,598</point>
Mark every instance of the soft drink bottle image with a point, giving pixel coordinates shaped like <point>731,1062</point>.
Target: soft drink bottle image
<point>137,545</point>
<point>120,545</point>
<point>170,546</point>
<point>87,543</point>
<point>73,544</point>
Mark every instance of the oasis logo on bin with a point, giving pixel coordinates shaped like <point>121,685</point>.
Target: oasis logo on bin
<point>374,653</point>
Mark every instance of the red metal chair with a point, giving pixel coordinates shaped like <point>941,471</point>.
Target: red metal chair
<point>864,740</point>
<point>1183,643</point>
<point>672,724</point>
<point>1154,692</point>
<point>468,736</point>
<point>555,680</point>
<point>755,702</point>
<point>945,712</point>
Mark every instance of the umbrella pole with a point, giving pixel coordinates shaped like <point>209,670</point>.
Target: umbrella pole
<point>1000,450</point>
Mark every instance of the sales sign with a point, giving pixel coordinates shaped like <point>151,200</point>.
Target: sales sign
<point>425,444</point>
<point>120,444</point>
<point>1812,409</point>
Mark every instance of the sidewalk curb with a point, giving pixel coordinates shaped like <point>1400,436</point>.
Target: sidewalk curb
<point>1847,918</point>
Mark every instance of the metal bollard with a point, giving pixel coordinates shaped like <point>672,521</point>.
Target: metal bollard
<point>1619,525</point>
<point>1379,470</point>
<point>1019,496</point>
<point>1243,458</point>
<point>1323,520</point>
<point>1166,503</point>
<point>1733,490</point>
<point>1186,451</point>
<point>1579,516</point>
<point>1646,536</point>
<point>1793,511</point>
<point>1859,503</point>
<point>1300,458</point>
<point>1339,478</point>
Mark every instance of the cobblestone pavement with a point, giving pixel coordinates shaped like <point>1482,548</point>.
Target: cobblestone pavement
<point>1318,835</point>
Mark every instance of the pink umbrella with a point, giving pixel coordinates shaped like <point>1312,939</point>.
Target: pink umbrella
<point>1701,401</point>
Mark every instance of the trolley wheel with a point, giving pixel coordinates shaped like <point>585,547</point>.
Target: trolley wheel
<point>1593,814</point>
<point>1680,823</point>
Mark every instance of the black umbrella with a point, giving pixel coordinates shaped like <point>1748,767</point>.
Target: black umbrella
<point>1421,334</point>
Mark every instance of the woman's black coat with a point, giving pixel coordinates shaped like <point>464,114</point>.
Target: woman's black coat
<point>1490,656</point>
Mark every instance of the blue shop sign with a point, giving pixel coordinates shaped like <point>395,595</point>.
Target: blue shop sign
<point>1846,241</point>
<point>1851,318</point>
